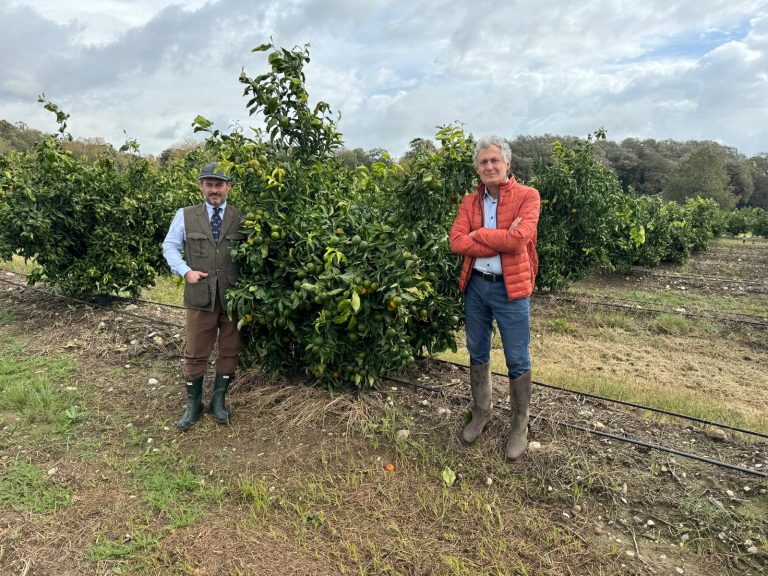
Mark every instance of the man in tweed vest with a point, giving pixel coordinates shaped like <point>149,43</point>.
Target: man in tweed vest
<point>207,232</point>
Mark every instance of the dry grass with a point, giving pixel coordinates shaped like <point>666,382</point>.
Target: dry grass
<point>296,484</point>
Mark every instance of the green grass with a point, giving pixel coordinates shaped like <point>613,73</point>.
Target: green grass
<point>26,486</point>
<point>135,554</point>
<point>673,325</point>
<point>167,482</point>
<point>614,320</point>
<point>561,326</point>
<point>738,241</point>
<point>167,290</point>
<point>36,387</point>
<point>18,265</point>
<point>7,316</point>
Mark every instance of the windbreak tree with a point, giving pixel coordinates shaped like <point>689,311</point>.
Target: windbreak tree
<point>702,173</point>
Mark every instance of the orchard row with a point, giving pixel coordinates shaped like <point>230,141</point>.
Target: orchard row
<point>345,273</point>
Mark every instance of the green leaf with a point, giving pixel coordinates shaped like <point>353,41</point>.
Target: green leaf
<point>355,301</point>
<point>449,476</point>
<point>637,233</point>
<point>201,122</point>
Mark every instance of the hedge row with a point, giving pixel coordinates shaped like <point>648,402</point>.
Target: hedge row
<point>345,273</point>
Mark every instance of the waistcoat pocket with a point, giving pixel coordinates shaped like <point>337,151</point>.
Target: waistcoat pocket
<point>196,244</point>
<point>197,295</point>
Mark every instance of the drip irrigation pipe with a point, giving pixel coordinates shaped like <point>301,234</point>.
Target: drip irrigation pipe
<point>90,304</point>
<point>625,403</point>
<point>637,308</point>
<point>616,437</point>
<point>720,279</point>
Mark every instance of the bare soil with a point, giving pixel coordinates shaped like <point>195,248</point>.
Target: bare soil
<point>579,504</point>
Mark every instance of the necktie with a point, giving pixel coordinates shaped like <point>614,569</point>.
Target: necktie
<point>216,224</point>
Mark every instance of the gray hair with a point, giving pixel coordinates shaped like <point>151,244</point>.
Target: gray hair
<point>493,140</point>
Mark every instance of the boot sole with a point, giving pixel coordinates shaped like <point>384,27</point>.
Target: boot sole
<point>188,426</point>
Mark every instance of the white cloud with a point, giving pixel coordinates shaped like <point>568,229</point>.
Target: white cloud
<point>396,70</point>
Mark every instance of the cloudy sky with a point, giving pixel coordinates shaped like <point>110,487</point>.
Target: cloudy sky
<point>395,69</point>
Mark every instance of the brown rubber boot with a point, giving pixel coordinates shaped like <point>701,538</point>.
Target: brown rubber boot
<point>519,401</point>
<point>480,384</point>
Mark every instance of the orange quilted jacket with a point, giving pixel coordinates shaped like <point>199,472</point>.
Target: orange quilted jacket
<point>519,261</point>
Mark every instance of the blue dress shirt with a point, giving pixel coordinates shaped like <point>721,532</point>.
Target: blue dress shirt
<point>493,263</point>
<point>174,240</point>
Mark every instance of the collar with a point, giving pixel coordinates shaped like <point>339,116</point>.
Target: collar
<point>487,195</point>
<point>504,188</point>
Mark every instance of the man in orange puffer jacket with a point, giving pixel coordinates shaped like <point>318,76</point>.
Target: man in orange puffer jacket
<point>495,231</point>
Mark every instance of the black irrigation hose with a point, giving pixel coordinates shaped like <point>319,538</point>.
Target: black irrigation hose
<point>562,424</point>
<point>624,439</point>
<point>660,448</point>
<point>652,409</point>
<point>164,304</point>
<point>89,304</point>
<point>625,403</point>
<point>177,306</point>
<point>721,279</point>
<point>637,308</point>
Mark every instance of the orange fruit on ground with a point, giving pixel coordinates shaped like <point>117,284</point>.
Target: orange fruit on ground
<point>389,467</point>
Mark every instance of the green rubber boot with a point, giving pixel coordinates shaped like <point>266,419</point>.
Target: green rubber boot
<point>482,389</point>
<point>519,400</point>
<point>217,407</point>
<point>194,404</point>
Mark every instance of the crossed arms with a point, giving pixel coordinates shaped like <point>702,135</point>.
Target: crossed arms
<point>487,242</point>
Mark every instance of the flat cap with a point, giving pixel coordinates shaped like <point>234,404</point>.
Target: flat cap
<point>211,170</point>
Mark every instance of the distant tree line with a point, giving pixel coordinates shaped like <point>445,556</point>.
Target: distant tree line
<point>671,169</point>
<point>667,168</point>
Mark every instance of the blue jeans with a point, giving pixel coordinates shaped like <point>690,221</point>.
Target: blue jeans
<point>484,301</point>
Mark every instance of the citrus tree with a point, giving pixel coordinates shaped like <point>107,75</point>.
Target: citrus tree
<point>581,200</point>
<point>344,273</point>
<point>91,228</point>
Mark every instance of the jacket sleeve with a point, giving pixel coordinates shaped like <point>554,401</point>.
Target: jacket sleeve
<point>461,242</point>
<point>515,240</point>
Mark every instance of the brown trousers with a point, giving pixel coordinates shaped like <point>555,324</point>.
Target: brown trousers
<point>202,329</point>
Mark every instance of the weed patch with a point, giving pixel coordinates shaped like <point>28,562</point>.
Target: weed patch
<point>7,316</point>
<point>167,290</point>
<point>33,386</point>
<point>673,325</point>
<point>614,320</point>
<point>561,326</point>
<point>168,484</point>
<point>133,551</point>
<point>26,486</point>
